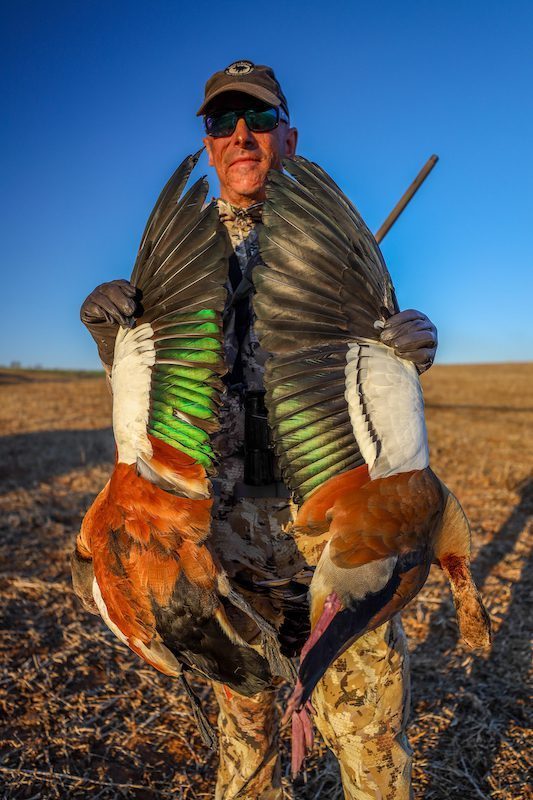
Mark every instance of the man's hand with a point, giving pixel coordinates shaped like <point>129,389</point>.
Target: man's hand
<point>114,302</point>
<point>412,336</point>
<point>108,306</point>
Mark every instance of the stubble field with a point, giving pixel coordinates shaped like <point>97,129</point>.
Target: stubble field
<point>81,717</point>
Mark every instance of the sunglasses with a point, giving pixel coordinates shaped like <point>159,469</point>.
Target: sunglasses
<point>218,125</point>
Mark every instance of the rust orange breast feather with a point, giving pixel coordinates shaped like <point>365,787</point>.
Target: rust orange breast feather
<point>368,520</point>
<point>146,511</point>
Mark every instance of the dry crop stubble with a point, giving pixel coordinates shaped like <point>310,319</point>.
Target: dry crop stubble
<point>81,717</point>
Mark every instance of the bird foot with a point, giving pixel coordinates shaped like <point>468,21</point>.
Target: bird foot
<point>302,728</point>
<point>297,709</point>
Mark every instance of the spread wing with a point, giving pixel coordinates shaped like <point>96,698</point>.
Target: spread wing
<point>323,287</point>
<point>166,370</point>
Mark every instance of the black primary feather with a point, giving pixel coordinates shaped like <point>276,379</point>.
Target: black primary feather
<point>163,210</point>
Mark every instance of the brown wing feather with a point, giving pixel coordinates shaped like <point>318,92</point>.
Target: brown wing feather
<point>385,517</point>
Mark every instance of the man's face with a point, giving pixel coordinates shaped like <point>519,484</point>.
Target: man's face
<point>243,159</point>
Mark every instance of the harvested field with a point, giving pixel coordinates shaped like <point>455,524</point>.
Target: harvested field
<point>81,716</point>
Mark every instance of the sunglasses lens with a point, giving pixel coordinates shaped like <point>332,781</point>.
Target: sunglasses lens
<point>262,121</point>
<point>221,124</point>
<point>258,121</point>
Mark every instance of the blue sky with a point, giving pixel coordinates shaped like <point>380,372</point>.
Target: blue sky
<point>99,102</point>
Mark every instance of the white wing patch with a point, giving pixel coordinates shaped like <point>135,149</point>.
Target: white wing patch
<point>386,409</point>
<point>130,380</point>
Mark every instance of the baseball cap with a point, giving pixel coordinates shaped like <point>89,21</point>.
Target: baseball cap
<point>257,80</point>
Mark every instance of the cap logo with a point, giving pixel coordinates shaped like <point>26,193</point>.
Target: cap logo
<point>239,68</point>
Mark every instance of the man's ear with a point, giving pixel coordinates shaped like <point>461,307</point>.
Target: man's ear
<point>291,140</point>
<point>207,144</point>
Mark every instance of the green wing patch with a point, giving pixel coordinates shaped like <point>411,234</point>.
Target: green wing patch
<point>309,416</point>
<point>180,272</point>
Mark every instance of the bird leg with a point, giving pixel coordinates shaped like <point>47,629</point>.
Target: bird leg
<point>302,730</point>
<point>204,726</point>
<point>331,607</point>
<point>303,737</point>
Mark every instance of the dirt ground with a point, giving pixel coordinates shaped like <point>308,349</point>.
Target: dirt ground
<point>81,717</point>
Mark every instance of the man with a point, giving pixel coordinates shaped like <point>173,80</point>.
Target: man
<point>362,702</point>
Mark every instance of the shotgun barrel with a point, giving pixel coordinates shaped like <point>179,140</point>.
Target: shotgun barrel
<point>405,198</point>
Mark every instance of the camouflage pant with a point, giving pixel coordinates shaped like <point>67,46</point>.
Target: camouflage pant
<point>362,702</point>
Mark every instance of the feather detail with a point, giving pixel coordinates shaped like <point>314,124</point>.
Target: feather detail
<point>324,285</point>
<point>130,381</point>
<point>155,582</point>
<point>452,553</point>
<point>167,380</point>
<point>386,409</point>
<point>174,470</point>
<point>162,211</point>
<point>309,416</point>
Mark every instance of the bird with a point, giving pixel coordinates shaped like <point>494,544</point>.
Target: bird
<point>142,558</point>
<point>348,426</point>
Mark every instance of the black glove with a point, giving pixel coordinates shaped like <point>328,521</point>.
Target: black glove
<point>108,306</point>
<point>413,336</point>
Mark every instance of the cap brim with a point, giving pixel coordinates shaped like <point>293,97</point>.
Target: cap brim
<point>246,88</point>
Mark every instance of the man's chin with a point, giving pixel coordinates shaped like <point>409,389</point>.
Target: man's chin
<point>252,190</point>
